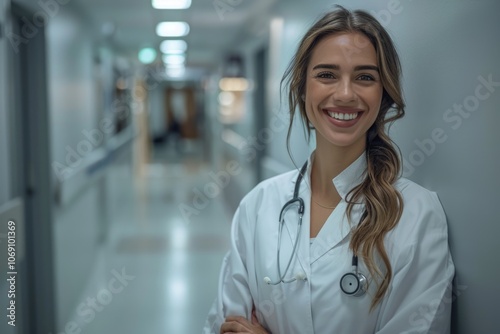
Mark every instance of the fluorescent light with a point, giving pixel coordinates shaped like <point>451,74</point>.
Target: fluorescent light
<point>176,72</point>
<point>147,55</point>
<point>172,29</point>
<point>174,46</point>
<point>171,66</point>
<point>174,59</point>
<point>233,84</point>
<point>226,98</point>
<point>171,4</point>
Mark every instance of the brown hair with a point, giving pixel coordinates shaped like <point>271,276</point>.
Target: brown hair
<point>383,203</point>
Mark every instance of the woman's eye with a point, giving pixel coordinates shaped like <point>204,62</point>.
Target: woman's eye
<point>366,77</point>
<point>325,75</point>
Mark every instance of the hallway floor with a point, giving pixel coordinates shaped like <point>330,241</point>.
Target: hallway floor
<point>158,271</point>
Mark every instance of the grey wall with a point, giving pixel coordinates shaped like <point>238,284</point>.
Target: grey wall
<point>5,193</point>
<point>448,50</point>
<point>446,61</point>
<point>4,133</point>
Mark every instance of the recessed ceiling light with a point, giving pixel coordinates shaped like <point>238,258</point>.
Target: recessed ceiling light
<point>172,29</point>
<point>174,59</point>
<point>176,72</point>
<point>147,55</point>
<point>174,46</point>
<point>171,4</point>
<point>170,66</point>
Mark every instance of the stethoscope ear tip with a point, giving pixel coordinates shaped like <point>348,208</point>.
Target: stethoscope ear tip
<point>267,280</point>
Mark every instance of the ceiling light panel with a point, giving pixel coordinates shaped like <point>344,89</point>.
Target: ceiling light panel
<point>174,59</point>
<point>172,29</point>
<point>171,4</point>
<point>173,46</point>
<point>176,72</point>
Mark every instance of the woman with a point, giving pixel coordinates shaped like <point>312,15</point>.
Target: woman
<point>370,252</point>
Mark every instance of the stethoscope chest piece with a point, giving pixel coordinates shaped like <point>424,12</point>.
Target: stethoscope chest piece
<point>353,284</point>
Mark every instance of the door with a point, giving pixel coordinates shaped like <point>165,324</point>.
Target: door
<point>30,169</point>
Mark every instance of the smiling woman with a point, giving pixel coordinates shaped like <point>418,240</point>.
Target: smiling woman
<point>345,245</point>
<point>343,91</point>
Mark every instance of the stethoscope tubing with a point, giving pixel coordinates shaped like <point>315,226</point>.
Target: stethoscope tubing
<point>297,238</point>
<point>295,200</point>
<point>360,282</point>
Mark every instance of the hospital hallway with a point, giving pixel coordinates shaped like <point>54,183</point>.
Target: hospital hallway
<point>131,130</point>
<point>170,261</point>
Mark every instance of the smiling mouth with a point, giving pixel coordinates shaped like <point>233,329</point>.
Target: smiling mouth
<point>343,116</point>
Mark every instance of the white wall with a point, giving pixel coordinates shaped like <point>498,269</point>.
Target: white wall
<point>297,17</point>
<point>71,93</point>
<point>72,110</point>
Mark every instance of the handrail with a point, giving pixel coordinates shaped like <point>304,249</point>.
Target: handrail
<point>94,164</point>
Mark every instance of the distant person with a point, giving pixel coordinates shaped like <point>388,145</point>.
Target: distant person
<point>343,245</point>
<point>178,105</point>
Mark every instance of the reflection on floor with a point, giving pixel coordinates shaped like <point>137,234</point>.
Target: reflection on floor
<point>158,271</point>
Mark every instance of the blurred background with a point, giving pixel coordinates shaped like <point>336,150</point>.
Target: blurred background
<point>130,131</point>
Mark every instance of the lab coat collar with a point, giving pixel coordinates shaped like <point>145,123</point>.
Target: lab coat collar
<point>336,227</point>
<point>348,179</point>
<point>351,177</point>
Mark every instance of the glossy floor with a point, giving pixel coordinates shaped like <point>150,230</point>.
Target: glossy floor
<point>158,271</point>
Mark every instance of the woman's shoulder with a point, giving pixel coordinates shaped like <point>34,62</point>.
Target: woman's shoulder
<point>422,214</point>
<point>414,193</point>
<point>274,186</point>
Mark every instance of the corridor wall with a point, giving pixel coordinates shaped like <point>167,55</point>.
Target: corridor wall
<point>72,108</point>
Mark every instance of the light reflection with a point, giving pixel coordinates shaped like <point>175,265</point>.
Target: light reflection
<point>179,237</point>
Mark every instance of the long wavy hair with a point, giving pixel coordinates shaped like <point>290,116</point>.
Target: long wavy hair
<point>383,203</point>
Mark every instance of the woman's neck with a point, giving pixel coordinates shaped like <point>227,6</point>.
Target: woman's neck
<point>330,161</point>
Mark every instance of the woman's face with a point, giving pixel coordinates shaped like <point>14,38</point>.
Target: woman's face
<point>343,89</point>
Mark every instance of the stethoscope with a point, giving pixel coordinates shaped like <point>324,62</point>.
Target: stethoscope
<point>352,284</point>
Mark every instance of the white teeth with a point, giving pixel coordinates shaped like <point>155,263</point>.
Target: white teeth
<point>343,117</point>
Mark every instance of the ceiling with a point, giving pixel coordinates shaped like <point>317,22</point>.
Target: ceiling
<point>215,25</point>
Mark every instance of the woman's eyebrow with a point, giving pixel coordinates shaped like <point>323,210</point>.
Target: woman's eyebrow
<point>327,66</point>
<point>366,67</point>
<point>337,67</point>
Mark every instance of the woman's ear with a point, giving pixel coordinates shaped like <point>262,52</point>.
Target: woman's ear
<point>303,97</point>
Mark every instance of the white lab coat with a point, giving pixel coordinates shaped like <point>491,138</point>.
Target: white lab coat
<point>418,299</point>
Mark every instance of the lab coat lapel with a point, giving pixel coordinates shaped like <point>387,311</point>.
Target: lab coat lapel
<point>335,231</point>
<point>337,226</point>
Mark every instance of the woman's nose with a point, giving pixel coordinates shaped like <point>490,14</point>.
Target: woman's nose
<point>344,91</point>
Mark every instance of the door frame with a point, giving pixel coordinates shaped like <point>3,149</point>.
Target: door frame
<point>30,168</point>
